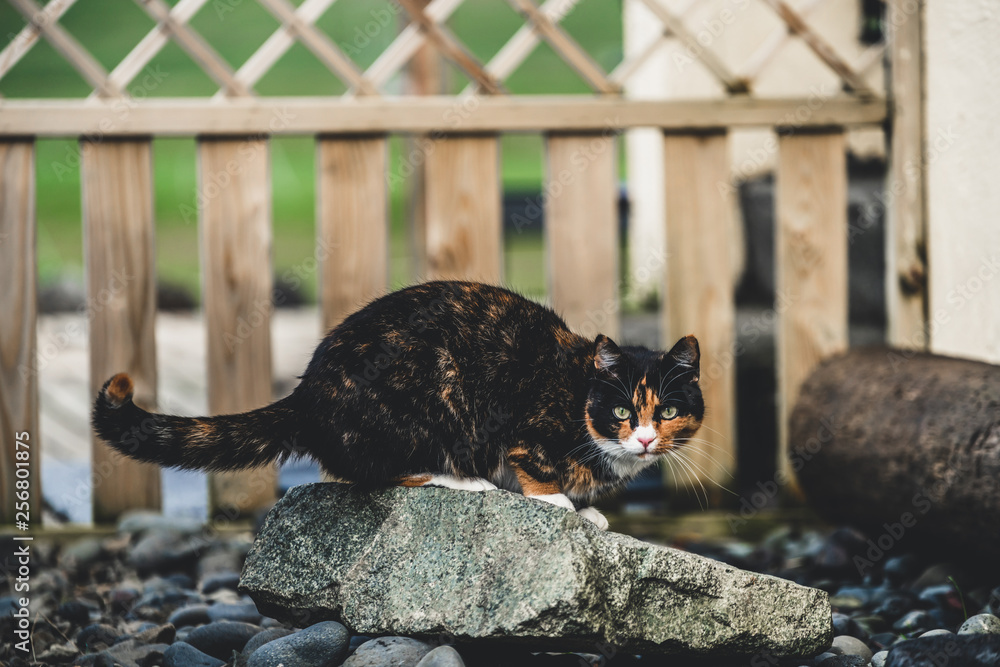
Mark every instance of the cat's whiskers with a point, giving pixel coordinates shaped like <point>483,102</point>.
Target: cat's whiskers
<point>709,428</point>
<point>689,473</point>
<point>707,475</point>
<point>706,443</point>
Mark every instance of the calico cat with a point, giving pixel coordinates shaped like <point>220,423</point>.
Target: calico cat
<point>453,384</point>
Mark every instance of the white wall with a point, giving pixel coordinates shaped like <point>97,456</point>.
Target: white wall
<point>962,40</point>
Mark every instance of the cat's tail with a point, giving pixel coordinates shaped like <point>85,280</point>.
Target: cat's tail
<point>225,442</point>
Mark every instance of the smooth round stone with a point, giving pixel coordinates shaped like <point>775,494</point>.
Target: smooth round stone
<point>981,624</point>
<point>156,634</point>
<point>894,606</point>
<point>164,552</point>
<point>123,599</point>
<point>396,651</point>
<point>81,554</point>
<point>899,569</point>
<point>262,638</point>
<point>442,656</point>
<point>320,645</point>
<point>868,625</point>
<point>245,612</point>
<point>96,637</point>
<point>194,614</point>
<point>182,581</point>
<point>180,654</point>
<point>915,621</point>
<point>135,652</point>
<point>852,646</point>
<point>845,625</point>
<point>77,612</point>
<point>935,633</point>
<point>851,598</point>
<point>220,581</point>
<point>222,638</point>
<point>844,661</point>
<point>878,659</point>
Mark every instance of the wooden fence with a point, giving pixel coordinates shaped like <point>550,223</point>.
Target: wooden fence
<point>462,207</point>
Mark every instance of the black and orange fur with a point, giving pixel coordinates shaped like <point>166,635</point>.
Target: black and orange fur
<point>445,377</point>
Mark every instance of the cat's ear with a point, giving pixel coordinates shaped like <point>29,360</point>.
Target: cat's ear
<point>686,353</point>
<point>606,353</point>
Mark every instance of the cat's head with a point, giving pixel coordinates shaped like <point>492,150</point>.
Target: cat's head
<point>643,403</point>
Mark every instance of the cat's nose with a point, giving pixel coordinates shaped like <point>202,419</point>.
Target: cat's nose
<point>644,441</point>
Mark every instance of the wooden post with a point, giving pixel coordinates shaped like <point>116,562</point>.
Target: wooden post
<point>906,250</point>
<point>811,265</point>
<point>19,437</point>
<point>699,291</point>
<point>425,77</point>
<point>352,224</point>
<point>581,230</point>
<point>235,218</point>
<point>117,182</point>
<point>464,232</point>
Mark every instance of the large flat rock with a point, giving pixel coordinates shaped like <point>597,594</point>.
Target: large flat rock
<point>498,566</point>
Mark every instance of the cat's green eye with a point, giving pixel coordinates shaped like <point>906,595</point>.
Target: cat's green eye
<point>622,412</point>
<point>668,412</point>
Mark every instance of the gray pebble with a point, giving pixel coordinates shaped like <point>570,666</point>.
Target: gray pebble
<point>844,661</point>
<point>935,633</point>
<point>320,645</point>
<point>262,638</point>
<point>442,656</point>
<point>852,646</point>
<point>981,624</point>
<point>245,612</point>
<point>219,581</point>
<point>222,638</point>
<point>389,652</point>
<point>878,660</point>
<point>133,651</point>
<point>180,654</point>
<point>193,614</point>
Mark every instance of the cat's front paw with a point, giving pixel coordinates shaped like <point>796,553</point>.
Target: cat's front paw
<point>557,499</point>
<point>591,514</point>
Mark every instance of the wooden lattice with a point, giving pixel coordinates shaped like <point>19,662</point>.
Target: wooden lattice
<point>428,25</point>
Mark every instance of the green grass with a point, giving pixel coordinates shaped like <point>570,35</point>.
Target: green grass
<point>235,28</point>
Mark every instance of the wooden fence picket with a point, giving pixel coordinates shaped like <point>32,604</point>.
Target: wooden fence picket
<point>581,227</point>
<point>463,208</point>
<point>117,181</point>
<point>810,264</point>
<point>699,293</point>
<point>18,364</point>
<point>235,219</point>
<point>352,224</point>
